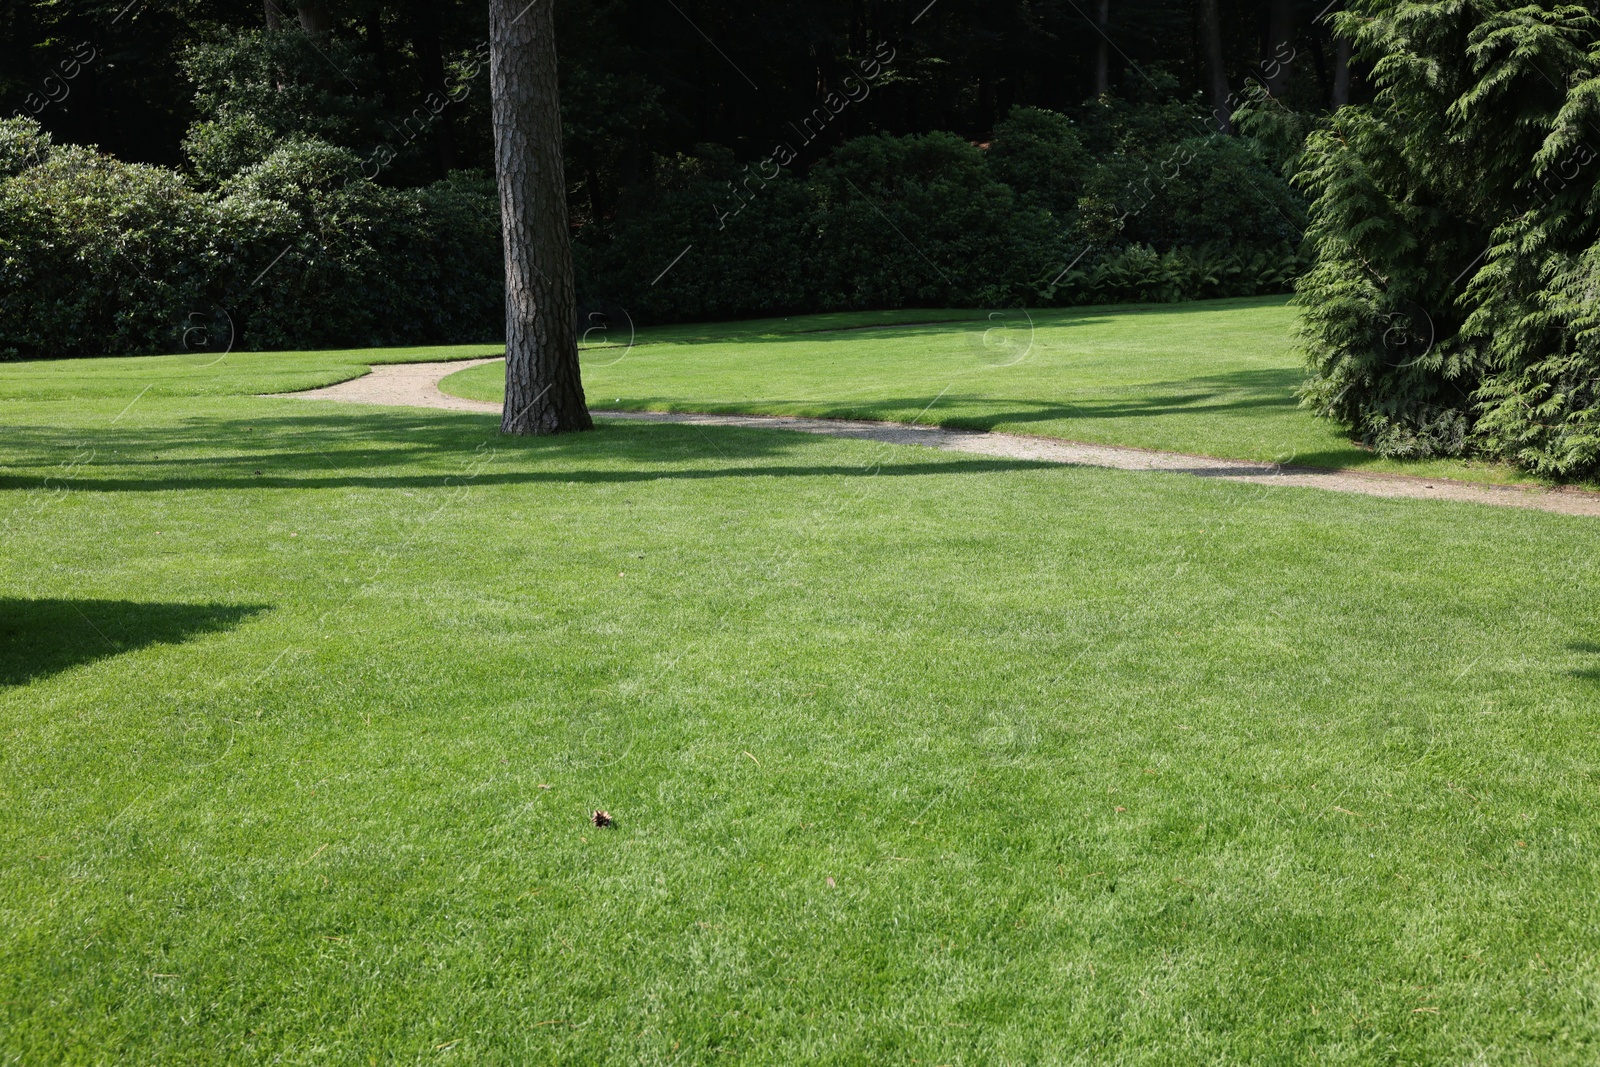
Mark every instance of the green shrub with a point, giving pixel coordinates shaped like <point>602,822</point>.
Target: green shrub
<point>23,144</point>
<point>258,90</point>
<point>298,249</point>
<point>1141,274</point>
<point>1041,156</point>
<point>750,244</point>
<point>1453,303</point>
<point>96,255</point>
<point>920,220</point>
<point>99,256</point>
<point>363,264</point>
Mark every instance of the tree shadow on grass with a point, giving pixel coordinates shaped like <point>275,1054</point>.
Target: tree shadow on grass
<point>1592,650</point>
<point>321,449</point>
<point>43,637</point>
<point>1236,392</point>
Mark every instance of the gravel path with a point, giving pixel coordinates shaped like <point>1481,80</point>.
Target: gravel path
<point>417,385</point>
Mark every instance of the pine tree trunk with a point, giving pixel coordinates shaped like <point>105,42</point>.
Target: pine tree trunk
<point>544,390</point>
<point>1341,72</point>
<point>1102,55</point>
<point>315,18</point>
<point>1278,56</point>
<point>1216,73</point>
<point>428,46</point>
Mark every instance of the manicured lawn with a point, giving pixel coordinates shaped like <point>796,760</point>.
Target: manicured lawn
<point>1216,378</point>
<point>914,757</point>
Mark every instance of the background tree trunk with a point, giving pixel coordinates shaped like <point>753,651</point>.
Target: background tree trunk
<point>1216,72</point>
<point>270,9</point>
<point>1102,54</point>
<point>1278,56</point>
<point>429,50</point>
<point>314,18</point>
<point>1341,72</point>
<point>544,389</point>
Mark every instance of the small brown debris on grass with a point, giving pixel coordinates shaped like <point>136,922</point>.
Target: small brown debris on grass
<point>543,786</point>
<point>754,760</point>
<point>1347,811</point>
<point>602,819</point>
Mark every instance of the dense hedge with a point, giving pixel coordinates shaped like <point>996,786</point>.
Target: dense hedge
<point>300,250</point>
<point>930,220</point>
<point>98,256</point>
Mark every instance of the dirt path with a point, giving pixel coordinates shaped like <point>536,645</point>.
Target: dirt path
<point>417,385</point>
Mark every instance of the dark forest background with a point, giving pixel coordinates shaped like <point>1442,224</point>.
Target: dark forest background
<point>810,156</point>
<point>658,77</point>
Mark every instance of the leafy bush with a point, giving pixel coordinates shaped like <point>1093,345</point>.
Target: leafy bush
<point>1452,306</point>
<point>256,91</point>
<point>99,256</point>
<point>1211,190</point>
<point>919,220</point>
<point>1041,156</point>
<point>95,254</point>
<point>299,249</point>
<point>22,145</point>
<point>699,245</point>
<point>1140,274</point>
<point>932,220</point>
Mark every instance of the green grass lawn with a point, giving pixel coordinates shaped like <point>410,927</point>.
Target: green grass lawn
<point>914,757</point>
<point>1217,378</point>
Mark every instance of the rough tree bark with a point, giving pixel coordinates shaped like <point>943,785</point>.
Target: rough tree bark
<point>1216,73</point>
<point>544,389</point>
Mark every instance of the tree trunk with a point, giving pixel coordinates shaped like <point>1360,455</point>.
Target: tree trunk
<point>429,50</point>
<point>1102,54</point>
<point>1216,73</point>
<point>270,8</point>
<point>314,18</point>
<point>1341,72</point>
<point>378,49</point>
<point>1277,59</point>
<point>985,123</point>
<point>544,388</point>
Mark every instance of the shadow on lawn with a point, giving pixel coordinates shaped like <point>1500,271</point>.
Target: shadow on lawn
<point>42,637</point>
<point>1592,650</point>
<point>1211,395</point>
<point>322,449</point>
<point>845,326</point>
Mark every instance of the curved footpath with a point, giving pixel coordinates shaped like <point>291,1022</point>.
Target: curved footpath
<point>417,385</point>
